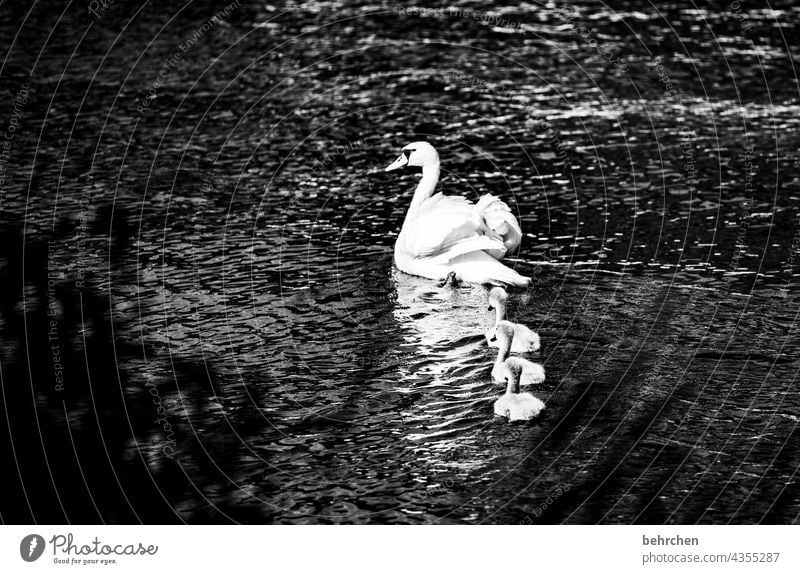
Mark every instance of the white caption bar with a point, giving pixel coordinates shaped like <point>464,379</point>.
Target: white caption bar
<point>400,549</point>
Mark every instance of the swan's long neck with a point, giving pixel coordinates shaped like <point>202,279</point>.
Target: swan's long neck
<point>513,384</point>
<point>499,312</point>
<point>502,352</point>
<point>425,188</point>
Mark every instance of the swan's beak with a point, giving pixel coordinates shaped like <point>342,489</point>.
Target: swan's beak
<point>493,339</point>
<point>401,161</point>
<point>490,308</point>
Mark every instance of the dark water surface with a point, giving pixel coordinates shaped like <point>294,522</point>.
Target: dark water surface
<point>201,322</point>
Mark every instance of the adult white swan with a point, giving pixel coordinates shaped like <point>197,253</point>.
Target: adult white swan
<point>447,234</point>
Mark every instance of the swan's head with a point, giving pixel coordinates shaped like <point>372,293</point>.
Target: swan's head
<point>512,372</point>
<point>497,298</point>
<point>504,332</point>
<point>417,154</point>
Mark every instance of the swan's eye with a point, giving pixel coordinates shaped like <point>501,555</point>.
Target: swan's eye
<point>407,153</point>
<point>491,308</point>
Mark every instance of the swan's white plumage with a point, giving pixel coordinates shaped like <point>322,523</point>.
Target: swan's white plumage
<point>525,340</point>
<point>444,233</point>
<point>514,405</point>
<point>518,406</point>
<point>499,218</point>
<point>530,373</point>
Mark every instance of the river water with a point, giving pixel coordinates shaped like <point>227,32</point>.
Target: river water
<point>200,317</point>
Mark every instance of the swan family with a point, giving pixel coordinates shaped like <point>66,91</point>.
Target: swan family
<point>450,239</point>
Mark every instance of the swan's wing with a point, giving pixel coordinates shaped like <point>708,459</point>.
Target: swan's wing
<point>500,220</point>
<point>501,406</point>
<point>469,244</point>
<point>524,339</point>
<point>447,227</point>
<point>448,204</point>
<point>443,222</point>
<point>525,407</point>
<point>532,373</point>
